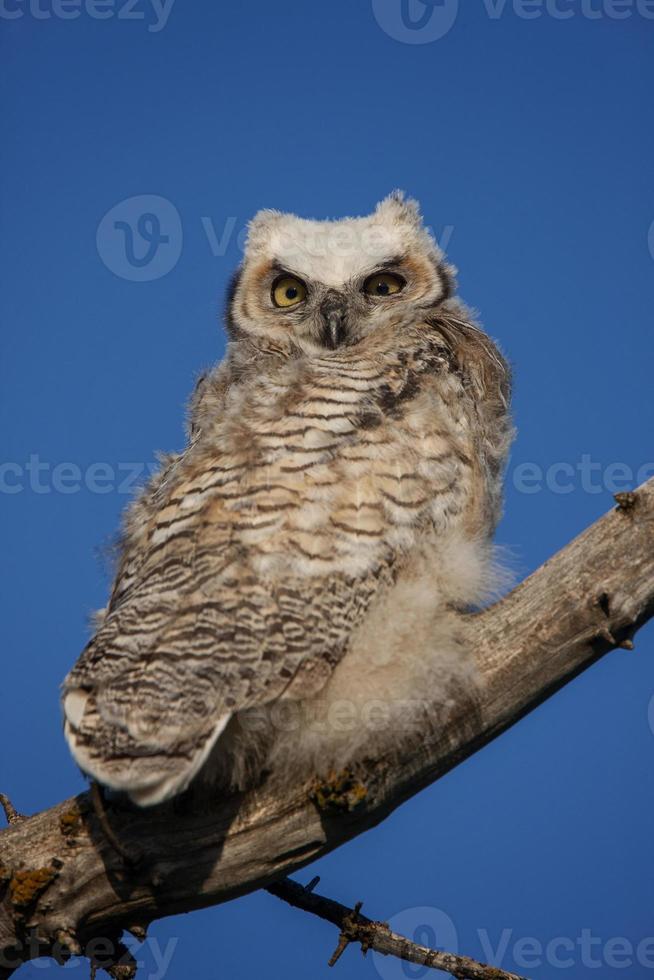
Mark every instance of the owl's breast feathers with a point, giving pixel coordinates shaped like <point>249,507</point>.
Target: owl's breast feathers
<point>252,557</point>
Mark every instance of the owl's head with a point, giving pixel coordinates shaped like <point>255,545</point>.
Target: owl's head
<point>322,284</point>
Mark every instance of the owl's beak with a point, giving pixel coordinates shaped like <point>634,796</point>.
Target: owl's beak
<point>333,310</point>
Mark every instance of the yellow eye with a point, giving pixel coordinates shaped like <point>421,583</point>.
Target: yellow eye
<point>383,284</point>
<point>288,291</point>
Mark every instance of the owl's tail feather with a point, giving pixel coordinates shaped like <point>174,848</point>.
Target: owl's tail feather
<point>150,770</point>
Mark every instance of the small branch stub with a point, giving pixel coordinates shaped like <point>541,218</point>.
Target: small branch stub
<point>351,931</point>
<point>11,813</point>
<point>626,500</point>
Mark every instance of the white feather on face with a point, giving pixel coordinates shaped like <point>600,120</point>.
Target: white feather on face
<point>333,260</point>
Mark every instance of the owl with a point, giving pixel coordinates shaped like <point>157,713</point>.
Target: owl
<point>289,586</point>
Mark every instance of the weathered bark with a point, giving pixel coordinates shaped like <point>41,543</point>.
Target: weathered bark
<point>63,882</point>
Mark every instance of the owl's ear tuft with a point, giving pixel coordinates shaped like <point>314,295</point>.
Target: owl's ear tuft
<point>398,207</point>
<point>261,226</point>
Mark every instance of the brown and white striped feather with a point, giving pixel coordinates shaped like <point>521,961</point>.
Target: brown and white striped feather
<point>254,555</point>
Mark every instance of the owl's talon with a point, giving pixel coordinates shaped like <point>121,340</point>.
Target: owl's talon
<point>338,791</point>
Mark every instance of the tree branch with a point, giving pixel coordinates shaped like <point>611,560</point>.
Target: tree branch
<point>62,883</point>
<point>356,928</point>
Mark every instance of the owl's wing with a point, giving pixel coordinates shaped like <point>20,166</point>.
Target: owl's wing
<point>191,645</point>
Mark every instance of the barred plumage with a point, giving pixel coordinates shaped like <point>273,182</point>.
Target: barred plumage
<point>337,491</point>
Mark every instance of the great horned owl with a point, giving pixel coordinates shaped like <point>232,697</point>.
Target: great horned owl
<point>284,598</point>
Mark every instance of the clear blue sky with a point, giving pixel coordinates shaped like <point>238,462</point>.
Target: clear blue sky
<point>527,136</point>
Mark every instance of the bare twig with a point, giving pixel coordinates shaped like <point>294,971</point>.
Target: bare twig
<point>357,928</point>
<point>587,600</point>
